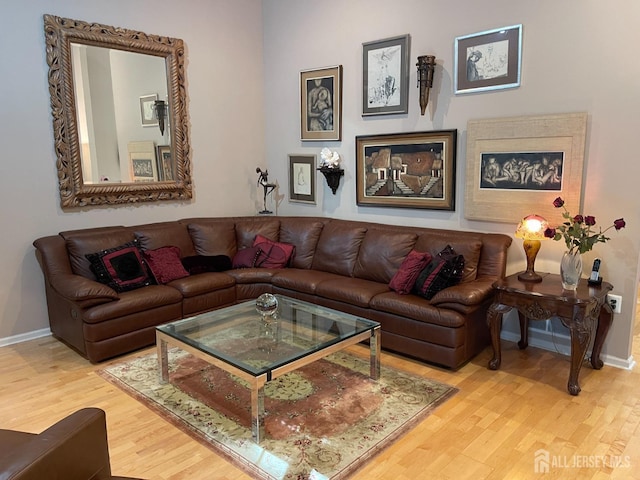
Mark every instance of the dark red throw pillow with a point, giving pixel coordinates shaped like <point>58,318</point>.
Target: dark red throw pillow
<point>274,254</point>
<point>165,264</point>
<point>121,268</point>
<point>246,257</point>
<point>406,276</point>
<point>444,270</point>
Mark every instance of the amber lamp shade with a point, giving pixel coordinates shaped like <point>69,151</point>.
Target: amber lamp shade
<point>531,230</point>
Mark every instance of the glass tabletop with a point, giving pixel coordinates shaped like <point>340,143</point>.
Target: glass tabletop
<point>241,337</point>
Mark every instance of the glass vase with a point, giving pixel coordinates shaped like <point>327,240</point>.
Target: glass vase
<point>571,269</point>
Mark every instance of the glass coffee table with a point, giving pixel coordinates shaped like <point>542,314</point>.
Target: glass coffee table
<point>240,341</point>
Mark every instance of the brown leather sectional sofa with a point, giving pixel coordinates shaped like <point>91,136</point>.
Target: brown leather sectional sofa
<point>341,264</point>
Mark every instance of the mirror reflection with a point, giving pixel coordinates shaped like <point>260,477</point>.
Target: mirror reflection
<point>115,95</point>
<point>118,102</point>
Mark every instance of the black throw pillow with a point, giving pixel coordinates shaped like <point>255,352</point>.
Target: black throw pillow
<point>206,263</point>
<point>444,270</point>
<point>121,268</point>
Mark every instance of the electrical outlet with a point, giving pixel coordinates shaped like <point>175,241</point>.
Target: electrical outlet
<point>615,301</point>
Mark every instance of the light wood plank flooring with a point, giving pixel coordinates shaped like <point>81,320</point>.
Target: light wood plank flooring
<point>489,430</point>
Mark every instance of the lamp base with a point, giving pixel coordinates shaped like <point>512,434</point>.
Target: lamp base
<point>529,276</point>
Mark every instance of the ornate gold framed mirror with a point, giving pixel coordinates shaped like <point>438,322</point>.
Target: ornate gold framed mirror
<point>118,102</point>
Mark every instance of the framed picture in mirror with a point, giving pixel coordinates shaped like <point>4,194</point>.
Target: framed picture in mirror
<point>165,164</point>
<point>147,117</point>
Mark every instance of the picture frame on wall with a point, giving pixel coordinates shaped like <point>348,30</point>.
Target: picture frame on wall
<point>488,60</point>
<point>321,104</point>
<point>517,166</point>
<point>147,118</point>
<point>385,76</point>
<point>165,163</point>
<point>302,179</point>
<point>411,170</point>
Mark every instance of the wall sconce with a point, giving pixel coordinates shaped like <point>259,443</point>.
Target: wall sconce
<point>160,109</point>
<point>531,230</point>
<point>426,66</point>
<point>332,175</point>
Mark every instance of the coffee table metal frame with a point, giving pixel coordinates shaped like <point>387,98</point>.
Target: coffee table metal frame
<point>257,382</point>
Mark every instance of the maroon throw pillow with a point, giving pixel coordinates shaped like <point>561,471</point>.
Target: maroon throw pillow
<point>165,264</point>
<point>274,254</point>
<point>406,276</point>
<point>246,257</point>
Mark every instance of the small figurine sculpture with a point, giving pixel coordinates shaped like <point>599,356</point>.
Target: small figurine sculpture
<point>263,179</point>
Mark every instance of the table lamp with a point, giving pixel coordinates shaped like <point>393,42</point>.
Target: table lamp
<point>531,230</point>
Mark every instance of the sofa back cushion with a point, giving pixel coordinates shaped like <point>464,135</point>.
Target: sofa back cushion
<point>338,247</point>
<point>165,234</point>
<point>83,242</point>
<point>248,228</point>
<point>382,253</point>
<point>214,238</point>
<point>468,246</point>
<point>304,234</point>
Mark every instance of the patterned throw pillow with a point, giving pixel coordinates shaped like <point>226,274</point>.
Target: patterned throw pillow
<point>121,268</point>
<point>274,254</point>
<point>165,264</point>
<point>444,270</point>
<point>406,276</point>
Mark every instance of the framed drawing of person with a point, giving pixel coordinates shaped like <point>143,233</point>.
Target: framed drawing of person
<point>321,104</point>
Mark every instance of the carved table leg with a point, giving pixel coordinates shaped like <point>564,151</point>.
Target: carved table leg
<point>604,322</point>
<point>580,329</point>
<point>524,331</point>
<point>494,320</point>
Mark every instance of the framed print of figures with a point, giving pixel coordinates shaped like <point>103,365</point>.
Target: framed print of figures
<point>415,170</point>
<point>488,60</point>
<point>302,178</point>
<point>518,165</point>
<point>147,117</point>
<point>385,76</point>
<point>321,104</point>
<point>142,161</point>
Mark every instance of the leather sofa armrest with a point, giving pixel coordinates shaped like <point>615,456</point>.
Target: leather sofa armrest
<point>469,293</point>
<point>77,288</point>
<point>75,447</point>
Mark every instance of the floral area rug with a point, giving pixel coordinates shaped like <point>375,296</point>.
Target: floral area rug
<point>322,421</point>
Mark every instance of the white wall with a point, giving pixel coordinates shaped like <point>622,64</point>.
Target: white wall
<point>224,82</point>
<point>578,55</point>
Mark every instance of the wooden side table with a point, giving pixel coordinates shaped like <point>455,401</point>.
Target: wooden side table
<point>582,311</point>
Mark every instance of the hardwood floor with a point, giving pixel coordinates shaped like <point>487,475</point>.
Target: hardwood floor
<point>490,429</point>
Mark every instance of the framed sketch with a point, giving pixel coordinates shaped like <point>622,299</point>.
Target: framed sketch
<point>165,163</point>
<point>142,162</point>
<point>517,166</point>
<point>302,178</point>
<point>488,60</point>
<point>385,76</point>
<point>414,170</point>
<point>146,110</point>
<point>321,104</point>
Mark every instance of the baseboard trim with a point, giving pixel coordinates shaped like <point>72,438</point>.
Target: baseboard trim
<point>23,337</point>
<point>555,342</point>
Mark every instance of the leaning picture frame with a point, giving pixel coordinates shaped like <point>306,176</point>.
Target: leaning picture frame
<point>535,159</point>
<point>147,118</point>
<point>165,163</point>
<point>321,104</point>
<point>412,170</point>
<point>385,76</point>
<point>488,60</point>
<point>302,179</point>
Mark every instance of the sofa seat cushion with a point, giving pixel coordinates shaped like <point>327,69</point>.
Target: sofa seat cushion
<point>417,308</point>
<point>302,280</point>
<point>354,291</point>
<point>195,285</point>
<point>252,275</point>
<point>134,301</point>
